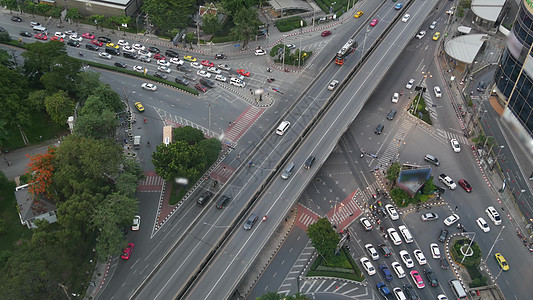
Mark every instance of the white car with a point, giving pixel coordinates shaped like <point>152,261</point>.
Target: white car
<point>451,219</point>
<point>406,258</point>
<point>224,67</point>
<point>70,32</point>
<point>398,293</point>
<point>483,224</point>
<point>122,43</point>
<point>455,145</point>
<point>392,212</point>
<point>163,62</point>
<point>196,65</point>
<point>394,236</point>
<point>139,69</point>
<point>60,35</point>
<point>437,91</point>
<point>76,38</point>
<point>372,251</point>
<point>104,55</point>
<point>398,269</point>
<point>333,85</point>
<point>136,223</point>
<point>433,25</point>
<point>442,297</point>
<point>203,73</point>
<point>260,52</point>
<point>420,257</point>
<point>138,47</point>
<point>164,69</point>
<point>406,18</point>
<point>221,78</point>
<point>214,70</point>
<point>176,61</point>
<point>421,34</point>
<point>410,84</point>
<point>395,97</point>
<point>149,86</point>
<point>366,224</point>
<point>494,216</point>
<point>367,265</point>
<point>128,49</point>
<point>144,53</point>
<point>435,251</point>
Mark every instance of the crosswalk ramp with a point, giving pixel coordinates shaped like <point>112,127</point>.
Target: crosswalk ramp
<point>151,183</point>
<point>446,136</point>
<point>305,217</point>
<point>238,128</point>
<point>345,212</point>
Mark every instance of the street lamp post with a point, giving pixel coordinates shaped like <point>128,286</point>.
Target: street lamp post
<point>493,244</point>
<point>521,192</point>
<point>469,246</point>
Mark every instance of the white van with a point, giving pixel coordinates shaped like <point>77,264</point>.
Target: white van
<point>493,214</point>
<point>406,234</point>
<point>39,29</point>
<point>394,236</point>
<point>283,127</point>
<point>458,289</point>
<point>288,171</point>
<point>237,82</point>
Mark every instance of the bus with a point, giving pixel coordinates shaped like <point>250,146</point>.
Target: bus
<point>345,52</point>
<point>167,135</point>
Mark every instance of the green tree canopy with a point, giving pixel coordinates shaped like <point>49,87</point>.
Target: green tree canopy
<point>97,126</point>
<point>210,24</point>
<point>164,13</point>
<point>246,25</point>
<point>14,90</point>
<point>188,134</point>
<point>59,107</point>
<point>323,237</point>
<point>231,7</point>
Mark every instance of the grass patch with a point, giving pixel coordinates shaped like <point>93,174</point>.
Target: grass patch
<point>40,129</point>
<point>290,24</point>
<point>339,266</point>
<point>176,193</point>
<point>16,232</point>
<point>418,109</point>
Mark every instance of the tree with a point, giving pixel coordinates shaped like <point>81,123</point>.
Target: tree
<point>41,169</point>
<point>98,20</point>
<point>393,172</point>
<point>73,14</point>
<point>14,89</point>
<point>233,6</point>
<point>36,100</point>
<point>211,148</point>
<point>59,107</point>
<point>109,97</point>
<point>210,23</point>
<point>97,126</point>
<point>246,25</point>
<point>178,159</point>
<point>127,184</point>
<point>188,134</point>
<point>323,237</point>
<point>9,4</point>
<point>162,13</point>
<point>55,12</point>
<point>85,83</point>
<point>40,58</point>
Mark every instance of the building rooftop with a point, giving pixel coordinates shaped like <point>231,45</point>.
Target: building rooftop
<point>465,48</point>
<point>487,9</point>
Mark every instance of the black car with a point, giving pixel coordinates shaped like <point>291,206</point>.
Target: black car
<point>25,33</point>
<point>432,278</point>
<point>183,68</point>
<point>391,114</point>
<point>171,53</point>
<point>120,65</point>
<point>443,235</point>
<point>379,129</point>
<point>104,39</point>
<point>153,50</point>
<point>384,250</point>
<point>204,198</point>
<point>160,75</point>
<point>222,201</point>
<point>73,43</point>
<point>92,47</point>
<point>410,292</point>
<point>250,222</point>
<point>16,19</point>
<point>309,162</point>
<point>2,29</point>
<point>220,56</point>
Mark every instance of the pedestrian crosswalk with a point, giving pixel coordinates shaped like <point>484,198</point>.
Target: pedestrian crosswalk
<point>151,183</point>
<point>305,217</point>
<point>238,128</point>
<point>345,212</point>
<point>391,152</point>
<point>446,136</point>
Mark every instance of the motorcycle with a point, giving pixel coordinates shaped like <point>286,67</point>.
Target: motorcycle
<point>269,70</point>
<point>264,218</point>
<point>81,54</point>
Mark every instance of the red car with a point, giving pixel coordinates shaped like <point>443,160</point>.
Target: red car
<point>243,72</point>
<point>97,43</point>
<point>159,56</point>
<point>56,38</point>
<point>207,63</point>
<point>374,22</point>
<point>88,36</point>
<point>41,36</point>
<point>465,185</point>
<point>127,252</point>
<point>417,279</point>
<point>200,87</point>
<point>326,33</point>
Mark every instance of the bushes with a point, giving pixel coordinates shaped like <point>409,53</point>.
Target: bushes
<point>290,24</point>
<point>418,109</point>
<point>340,266</point>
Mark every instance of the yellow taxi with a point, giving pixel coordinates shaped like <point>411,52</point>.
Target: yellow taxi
<point>436,36</point>
<point>501,261</point>
<point>111,45</point>
<point>358,14</point>
<point>139,106</point>
<point>189,58</point>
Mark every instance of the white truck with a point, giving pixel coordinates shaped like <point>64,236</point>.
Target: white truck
<point>447,181</point>
<point>137,142</point>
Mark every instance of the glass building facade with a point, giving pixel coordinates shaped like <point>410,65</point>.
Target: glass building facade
<point>514,76</point>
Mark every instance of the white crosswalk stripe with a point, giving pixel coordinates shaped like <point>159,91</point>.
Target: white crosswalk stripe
<point>399,136</point>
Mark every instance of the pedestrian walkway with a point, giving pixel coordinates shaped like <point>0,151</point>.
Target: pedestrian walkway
<point>238,128</point>
<point>345,212</point>
<point>305,217</point>
<point>152,182</point>
<point>222,172</point>
<point>445,136</point>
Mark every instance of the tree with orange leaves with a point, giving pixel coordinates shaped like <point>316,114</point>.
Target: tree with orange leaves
<point>41,169</point>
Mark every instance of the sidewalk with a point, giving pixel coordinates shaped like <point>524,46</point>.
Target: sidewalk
<point>20,158</point>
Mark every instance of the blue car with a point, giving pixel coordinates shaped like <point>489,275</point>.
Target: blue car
<point>386,272</point>
<point>398,6</point>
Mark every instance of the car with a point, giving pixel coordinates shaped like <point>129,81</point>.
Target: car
<point>398,293</point>
<point>191,77</point>
<point>392,212</point>
<point>196,65</point>
<point>207,63</point>
<point>406,17</point>
<point>224,67</point>
<point>410,84</point>
<point>374,22</point>
<point>358,14</point>
<point>398,6</point>
<point>237,76</point>
<point>144,58</point>
<point>250,222</point>
<point>143,53</point>
<point>176,61</point>
<point>465,185</point>
<point>120,64</point>
<point>394,236</point>
<point>204,198</point>
<point>455,145</point>
<point>149,86</point>
<point>243,72</point>
<point>189,58</point>
<point>203,73</point>
<point>421,34</point>
<point>16,19</point>
<point>379,129</point>
<point>60,34</point>
<point>384,290</point>
<point>442,297</point>
<point>71,32</point>
<point>123,43</point>
<point>443,235</point>
<point>406,234</point>
<point>139,106</point>
<point>494,216</point>
<point>139,69</point>
<point>372,251</point>
<point>73,43</point>
<point>420,257</point>
<point>483,224</point>
<point>450,220</point>
<point>163,62</point>
<point>33,24</point>
<point>395,97</point>
<point>127,252</point>
<point>366,224</point>
<point>259,52</point>
<point>429,217</point>
<point>291,46</point>
<point>391,114</point>
<point>104,39</point>
<point>436,36</point>
<point>56,38</point>
<point>138,47</point>
<point>172,53</point>
<point>41,36</point>
<point>222,201</point>
<point>104,55</point>
<point>406,258</point>
<point>164,69</point>
<point>214,70</point>
<point>220,56</point>
<point>154,49</point>
<point>309,162</point>
<point>386,272</point>
<point>332,85</point>
<point>200,87</point>
<point>433,25</point>
<point>447,181</point>
<point>158,56</point>
<point>97,43</point>
<point>432,277</point>
<point>437,91</point>
<point>136,223</point>
<point>384,250</point>
<point>481,86</point>
<point>449,12</point>
<point>220,77</point>
<point>435,251</point>
<point>410,292</point>
<point>26,34</point>
<point>398,269</point>
<point>325,33</point>
<point>419,282</point>
<point>501,261</point>
<point>87,35</point>
<point>160,75</point>
<point>76,38</point>
<point>367,265</point>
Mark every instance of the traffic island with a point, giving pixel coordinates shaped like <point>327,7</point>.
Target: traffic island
<point>419,110</point>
